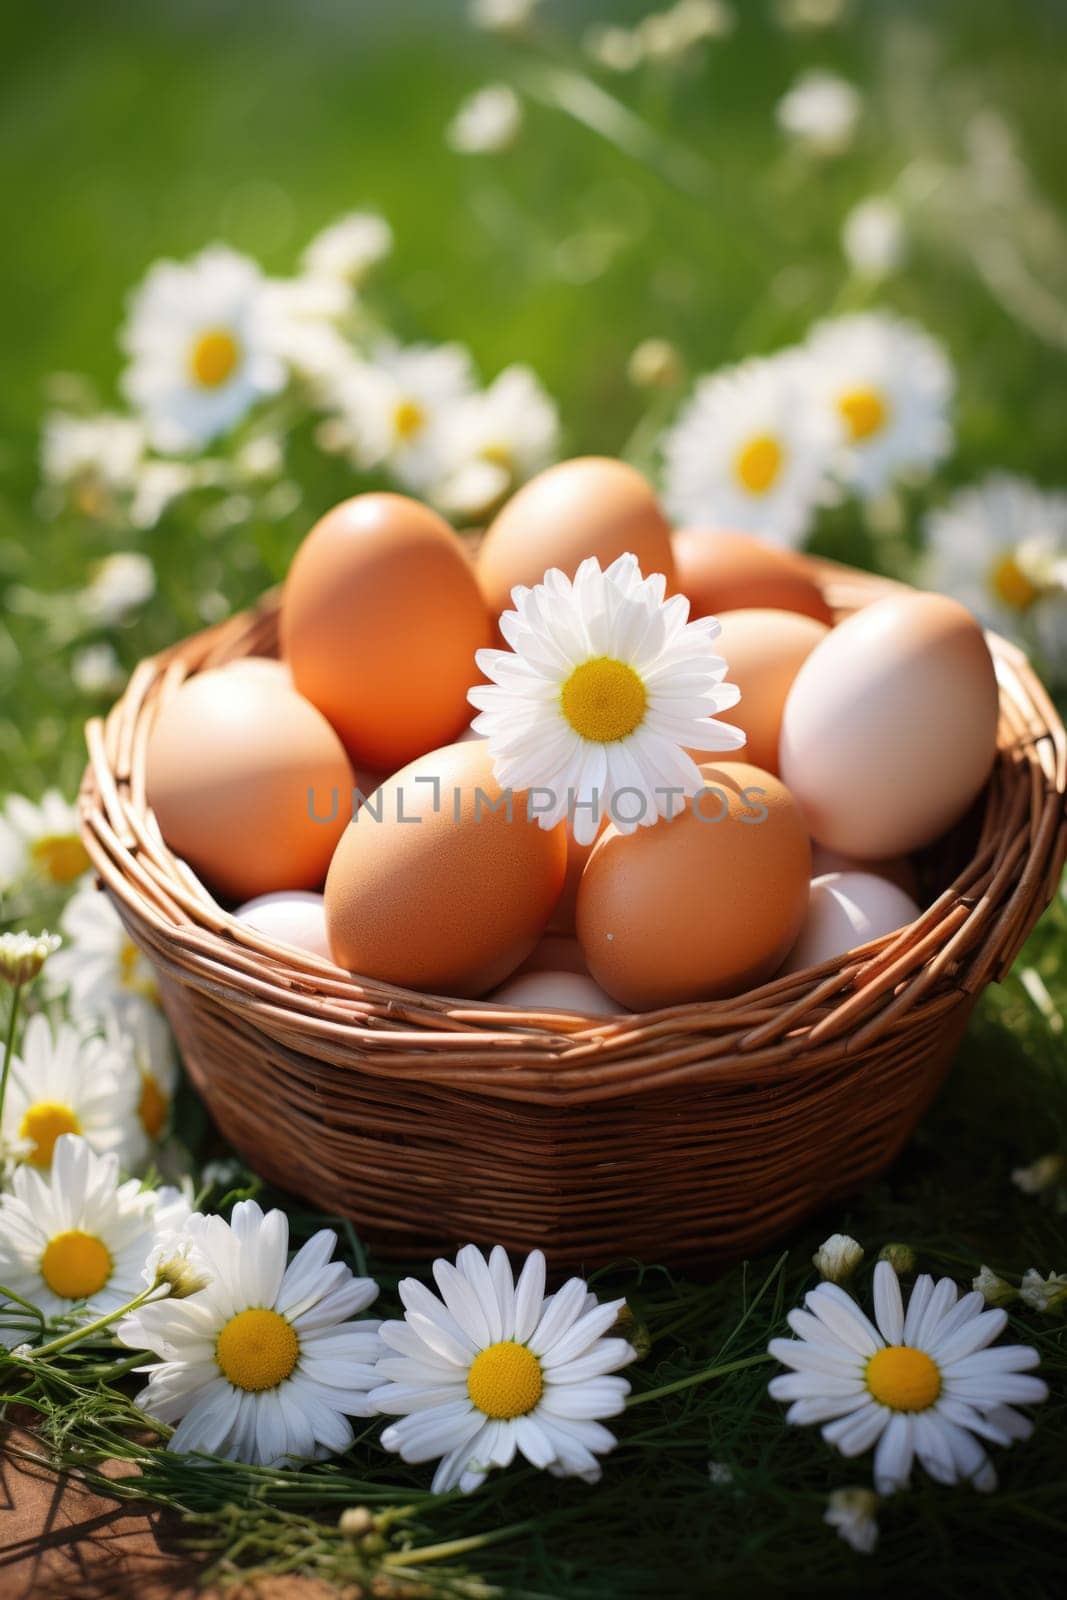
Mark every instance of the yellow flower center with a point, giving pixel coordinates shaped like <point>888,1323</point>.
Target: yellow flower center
<point>864,411</point>
<point>153,1106</point>
<point>499,455</point>
<point>1011,586</point>
<point>505,1380</point>
<point>903,1378</point>
<point>759,463</point>
<point>257,1350</point>
<point>130,975</point>
<point>215,354</point>
<point>76,1265</point>
<point>44,1123</point>
<point>59,857</point>
<point>604,700</point>
<point>408,419</point>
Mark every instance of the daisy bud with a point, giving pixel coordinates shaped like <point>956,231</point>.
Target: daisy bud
<point>1040,1176</point>
<point>181,1273</point>
<point>852,1513</point>
<point>655,364</point>
<point>901,1257</point>
<point>837,1257</point>
<point>22,955</point>
<point>636,1333</point>
<point>356,1521</point>
<point>995,1291</point>
<point>1044,1294</point>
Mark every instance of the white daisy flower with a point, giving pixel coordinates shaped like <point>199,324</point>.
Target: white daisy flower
<point>262,1364</point>
<point>139,1034</point>
<point>396,408</point>
<point>349,248</point>
<point>66,1082</point>
<point>487,121</point>
<point>852,1513</point>
<point>749,451</point>
<point>604,691</point>
<point>75,1239</point>
<point>93,457</point>
<point>997,546</point>
<point>199,353</point>
<point>100,965</point>
<point>41,840</point>
<point>873,238</point>
<point>821,112</point>
<point>494,1367</point>
<point>22,955</point>
<point>922,1384</point>
<point>497,438</point>
<point>1044,1294</point>
<point>838,1257</point>
<point>886,386</point>
<point>120,584</point>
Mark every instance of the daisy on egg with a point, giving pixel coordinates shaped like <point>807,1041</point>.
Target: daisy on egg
<point>495,1367</point>
<point>927,1383</point>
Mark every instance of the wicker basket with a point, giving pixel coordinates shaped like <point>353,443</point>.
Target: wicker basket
<point>702,1132</point>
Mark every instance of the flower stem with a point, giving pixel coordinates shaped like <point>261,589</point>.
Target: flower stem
<point>9,1046</point>
<point>54,1346</point>
<point>698,1377</point>
<point>456,1547</point>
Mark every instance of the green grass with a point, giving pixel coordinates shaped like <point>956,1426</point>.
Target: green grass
<point>130,131</point>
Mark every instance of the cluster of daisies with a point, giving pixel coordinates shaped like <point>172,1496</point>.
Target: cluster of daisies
<point>217,355</point>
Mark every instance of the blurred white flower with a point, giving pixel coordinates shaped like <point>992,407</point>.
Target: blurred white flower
<point>395,409</point>
<point>301,320</point>
<point>502,16</point>
<point>995,1291</point>
<point>1044,1294</point>
<point>348,249</point>
<point>41,840</point>
<point>873,237</point>
<point>97,670</point>
<point>821,112</point>
<point>800,15</point>
<point>487,121</point>
<point>92,455</point>
<point>997,547</point>
<point>1040,1176</point>
<point>852,1513</point>
<point>669,36</point>
<point>120,583</point>
<point>749,451</point>
<point>613,48</point>
<point>886,386</point>
<point>68,1082</point>
<point>655,364</point>
<point>100,965</point>
<point>497,439</point>
<point>199,353</point>
<point>837,1257</point>
<point>139,1035</point>
<point>158,484</point>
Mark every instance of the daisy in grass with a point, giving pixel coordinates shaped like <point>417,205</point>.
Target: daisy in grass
<point>200,354</point>
<point>99,964</point>
<point>605,688</point>
<point>925,1383</point>
<point>821,113</point>
<point>749,452</point>
<point>63,1082</point>
<point>496,1367</point>
<point>886,386</point>
<point>394,408</point>
<point>999,547</point>
<point>75,1241</point>
<point>41,841</point>
<point>262,1364</point>
<point>348,249</point>
<point>497,439</point>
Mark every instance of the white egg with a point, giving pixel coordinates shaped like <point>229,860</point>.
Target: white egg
<point>555,991</point>
<point>847,909</point>
<point>289,916</point>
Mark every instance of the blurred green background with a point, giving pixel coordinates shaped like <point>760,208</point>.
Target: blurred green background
<point>129,131</point>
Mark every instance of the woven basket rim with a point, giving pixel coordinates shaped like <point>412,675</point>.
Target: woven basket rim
<point>969,935</point>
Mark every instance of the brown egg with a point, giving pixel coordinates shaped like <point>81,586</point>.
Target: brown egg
<point>722,571</point>
<point>764,651</point>
<point>577,856</point>
<point>591,506</point>
<point>696,908</point>
<point>432,888</point>
<point>249,783</point>
<point>890,727</point>
<point>380,619</point>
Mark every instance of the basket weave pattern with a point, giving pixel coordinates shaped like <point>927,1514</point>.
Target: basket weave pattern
<point>701,1132</point>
